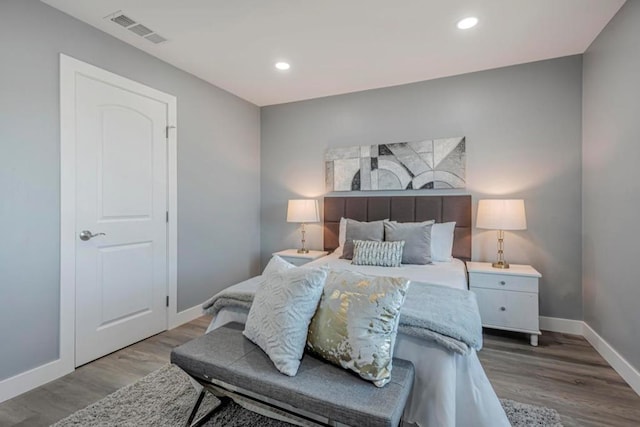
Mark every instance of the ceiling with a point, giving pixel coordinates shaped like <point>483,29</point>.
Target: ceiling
<point>341,46</point>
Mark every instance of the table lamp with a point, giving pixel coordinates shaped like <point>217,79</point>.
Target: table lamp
<point>501,215</point>
<point>303,211</point>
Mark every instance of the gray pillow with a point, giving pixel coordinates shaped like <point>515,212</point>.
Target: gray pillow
<point>357,230</point>
<point>417,240</point>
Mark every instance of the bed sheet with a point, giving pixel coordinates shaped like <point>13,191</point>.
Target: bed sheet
<point>452,274</point>
<point>450,389</point>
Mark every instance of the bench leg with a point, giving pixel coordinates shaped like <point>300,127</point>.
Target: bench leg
<point>196,406</point>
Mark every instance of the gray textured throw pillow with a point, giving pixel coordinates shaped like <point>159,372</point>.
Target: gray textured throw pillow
<point>381,254</point>
<point>357,230</point>
<point>417,240</point>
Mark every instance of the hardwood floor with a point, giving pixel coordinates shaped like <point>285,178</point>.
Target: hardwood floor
<point>564,373</point>
<point>93,381</point>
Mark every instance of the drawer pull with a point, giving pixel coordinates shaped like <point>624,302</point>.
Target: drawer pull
<point>503,308</point>
<point>502,282</point>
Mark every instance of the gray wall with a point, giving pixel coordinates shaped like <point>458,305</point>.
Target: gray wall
<point>611,183</point>
<point>218,174</point>
<point>523,129</point>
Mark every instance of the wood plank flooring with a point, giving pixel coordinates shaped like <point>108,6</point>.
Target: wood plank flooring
<point>45,405</point>
<point>564,373</point>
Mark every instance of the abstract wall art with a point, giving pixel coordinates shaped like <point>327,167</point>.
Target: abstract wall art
<point>429,164</point>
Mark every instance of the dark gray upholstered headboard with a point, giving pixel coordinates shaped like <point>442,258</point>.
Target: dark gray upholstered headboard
<point>401,209</point>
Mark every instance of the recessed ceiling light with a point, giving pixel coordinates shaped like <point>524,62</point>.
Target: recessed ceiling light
<point>466,23</point>
<point>282,66</point>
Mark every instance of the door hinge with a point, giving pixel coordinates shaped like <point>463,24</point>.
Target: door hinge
<point>167,216</point>
<point>167,130</point>
<point>167,300</point>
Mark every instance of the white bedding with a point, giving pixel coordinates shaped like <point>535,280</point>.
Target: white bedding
<point>449,389</point>
<point>452,274</point>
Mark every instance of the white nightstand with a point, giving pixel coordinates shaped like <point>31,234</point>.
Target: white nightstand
<point>507,298</point>
<point>292,256</point>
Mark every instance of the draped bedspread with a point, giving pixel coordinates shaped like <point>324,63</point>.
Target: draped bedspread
<point>447,316</point>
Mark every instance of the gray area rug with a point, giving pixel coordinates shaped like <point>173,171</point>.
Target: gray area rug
<point>165,397</point>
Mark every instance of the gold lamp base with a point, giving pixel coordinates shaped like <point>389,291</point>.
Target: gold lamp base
<point>501,263</point>
<point>303,250</point>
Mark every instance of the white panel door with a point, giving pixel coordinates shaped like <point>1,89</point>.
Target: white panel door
<point>121,191</point>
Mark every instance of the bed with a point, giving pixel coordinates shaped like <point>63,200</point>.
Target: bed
<point>450,389</point>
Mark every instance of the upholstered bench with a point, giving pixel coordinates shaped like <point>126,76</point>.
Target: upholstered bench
<point>227,364</point>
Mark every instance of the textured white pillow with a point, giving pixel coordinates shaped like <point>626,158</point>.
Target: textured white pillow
<point>281,312</point>
<point>442,241</point>
<point>276,264</point>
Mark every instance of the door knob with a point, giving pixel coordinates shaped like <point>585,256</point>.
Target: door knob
<point>86,235</point>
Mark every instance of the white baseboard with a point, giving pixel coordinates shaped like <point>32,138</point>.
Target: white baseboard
<point>617,362</point>
<point>186,316</point>
<point>565,326</point>
<point>25,381</point>
<point>613,358</point>
<point>40,375</point>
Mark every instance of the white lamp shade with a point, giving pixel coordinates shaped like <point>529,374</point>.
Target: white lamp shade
<point>303,210</point>
<point>501,214</point>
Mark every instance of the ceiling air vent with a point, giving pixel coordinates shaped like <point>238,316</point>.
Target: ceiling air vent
<point>135,27</point>
<point>156,38</point>
<point>140,30</point>
<point>123,20</point>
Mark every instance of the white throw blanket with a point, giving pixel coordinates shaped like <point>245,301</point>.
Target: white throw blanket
<point>448,316</point>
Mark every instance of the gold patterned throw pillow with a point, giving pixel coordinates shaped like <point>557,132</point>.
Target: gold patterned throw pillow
<point>356,323</point>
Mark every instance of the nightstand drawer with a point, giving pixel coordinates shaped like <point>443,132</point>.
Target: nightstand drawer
<point>503,282</point>
<point>506,309</point>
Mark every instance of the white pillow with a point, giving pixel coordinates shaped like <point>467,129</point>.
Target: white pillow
<point>442,241</point>
<point>281,312</point>
<point>342,232</point>
<point>277,264</point>
<point>342,236</point>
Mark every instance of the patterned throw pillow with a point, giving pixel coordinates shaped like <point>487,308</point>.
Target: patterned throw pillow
<point>280,314</point>
<point>382,254</point>
<point>356,324</point>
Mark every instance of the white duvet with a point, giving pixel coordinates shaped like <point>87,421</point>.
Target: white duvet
<point>452,274</point>
<point>449,389</point>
